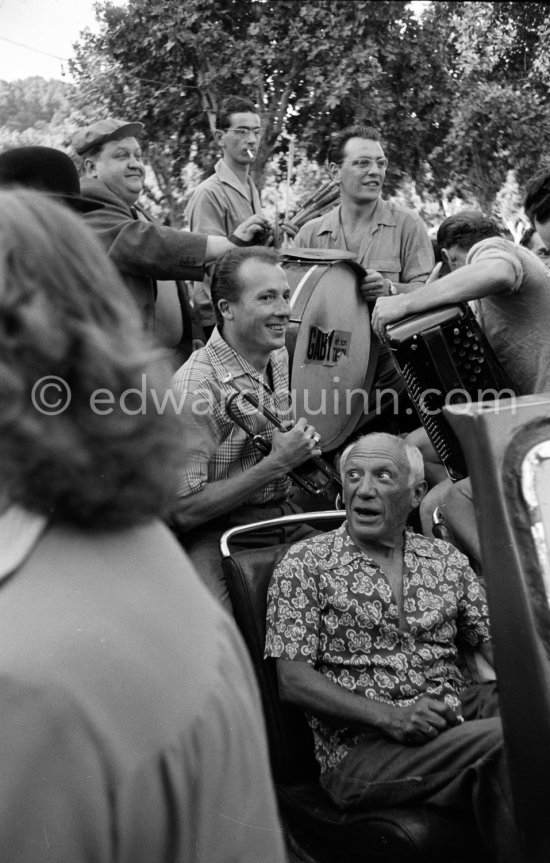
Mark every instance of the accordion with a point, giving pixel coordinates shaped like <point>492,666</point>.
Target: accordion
<point>444,358</point>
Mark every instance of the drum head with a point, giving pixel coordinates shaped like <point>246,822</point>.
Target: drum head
<point>332,358</point>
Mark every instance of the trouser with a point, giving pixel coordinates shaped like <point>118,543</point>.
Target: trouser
<point>203,544</point>
<point>464,768</point>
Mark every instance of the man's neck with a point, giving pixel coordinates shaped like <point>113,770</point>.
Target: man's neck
<point>240,171</point>
<point>353,214</point>
<point>258,359</point>
<point>389,557</point>
<point>384,551</point>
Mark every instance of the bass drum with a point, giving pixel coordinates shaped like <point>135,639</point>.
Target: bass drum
<point>332,351</point>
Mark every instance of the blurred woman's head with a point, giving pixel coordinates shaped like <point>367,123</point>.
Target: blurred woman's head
<point>83,432</point>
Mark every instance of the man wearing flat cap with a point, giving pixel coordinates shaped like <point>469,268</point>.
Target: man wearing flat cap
<point>149,256</point>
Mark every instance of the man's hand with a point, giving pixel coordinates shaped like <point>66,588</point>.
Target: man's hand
<point>293,447</point>
<point>247,232</point>
<point>422,721</point>
<point>386,310</point>
<point>374,285</point>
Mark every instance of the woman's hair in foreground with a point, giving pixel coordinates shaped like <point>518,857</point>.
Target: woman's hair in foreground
<point>537,197</point>
<point>69,326</point>
<point>465,229</point>
<point>413,454</point>
<point>225,283</point>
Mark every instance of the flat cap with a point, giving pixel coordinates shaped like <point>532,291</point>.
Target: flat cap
<point>98,133</point>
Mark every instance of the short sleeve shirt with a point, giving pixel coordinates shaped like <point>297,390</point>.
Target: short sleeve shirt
<point>398,245</point>
<point>517,321</point>
<point>332,606</point>
<point>218,205</point>
<point>215,446</point>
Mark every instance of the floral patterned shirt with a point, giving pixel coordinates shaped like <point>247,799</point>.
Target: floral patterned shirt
<point>332,606</point>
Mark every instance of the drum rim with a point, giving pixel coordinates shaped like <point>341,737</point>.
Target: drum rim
<point>323,266</point>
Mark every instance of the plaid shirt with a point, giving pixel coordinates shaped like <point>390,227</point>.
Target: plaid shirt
<point>215,446</point>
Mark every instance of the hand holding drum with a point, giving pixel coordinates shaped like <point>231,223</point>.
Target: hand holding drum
<point>374,285</point>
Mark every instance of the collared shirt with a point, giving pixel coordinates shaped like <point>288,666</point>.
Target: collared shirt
<point>217,206</point>
<point>332,606</point>
<point>397,244</point>
<point>215,446</point>
<point>517,321</point>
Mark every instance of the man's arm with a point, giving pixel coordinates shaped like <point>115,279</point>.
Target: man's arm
<point>470,282</point>
<point>209,212</point>
<point>143,248</point>
<point>302,685</point>
<point>289,449</point>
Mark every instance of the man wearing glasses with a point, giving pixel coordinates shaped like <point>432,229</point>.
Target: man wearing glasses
<point>228,197</point>
<point>388,240</point>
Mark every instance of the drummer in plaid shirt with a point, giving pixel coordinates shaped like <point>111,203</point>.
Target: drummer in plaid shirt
<point>226,481</point>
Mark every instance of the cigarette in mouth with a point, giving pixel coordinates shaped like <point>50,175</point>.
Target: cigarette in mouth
<point>250,154</point>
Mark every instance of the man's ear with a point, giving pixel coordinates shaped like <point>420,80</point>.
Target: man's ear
<point>334,171</point>
<point>445,256</point>
<point>418,492</point>
<point>90,168</point>
<point>218,136</point>
<point>225,309</point>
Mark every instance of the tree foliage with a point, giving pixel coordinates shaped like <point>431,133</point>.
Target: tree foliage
<point>34,111</point>
<point>461,94</point>
<point>500,120</point>
<point>312,67</point>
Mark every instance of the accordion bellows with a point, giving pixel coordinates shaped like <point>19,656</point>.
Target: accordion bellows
<point>444,358</point>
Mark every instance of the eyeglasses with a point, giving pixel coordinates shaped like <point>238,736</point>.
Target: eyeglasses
<point>363,164</point>
<point>244,131</point>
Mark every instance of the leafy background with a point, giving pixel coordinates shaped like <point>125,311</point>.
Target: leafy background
<point>461,93</point>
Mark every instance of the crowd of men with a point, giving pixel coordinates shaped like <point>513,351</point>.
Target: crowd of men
<point>363,621</point>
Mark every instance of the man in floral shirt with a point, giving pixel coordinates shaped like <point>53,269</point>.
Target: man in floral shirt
<point>364,622</point>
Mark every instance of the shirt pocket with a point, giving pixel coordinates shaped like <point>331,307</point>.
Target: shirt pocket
<point>389,267</point>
